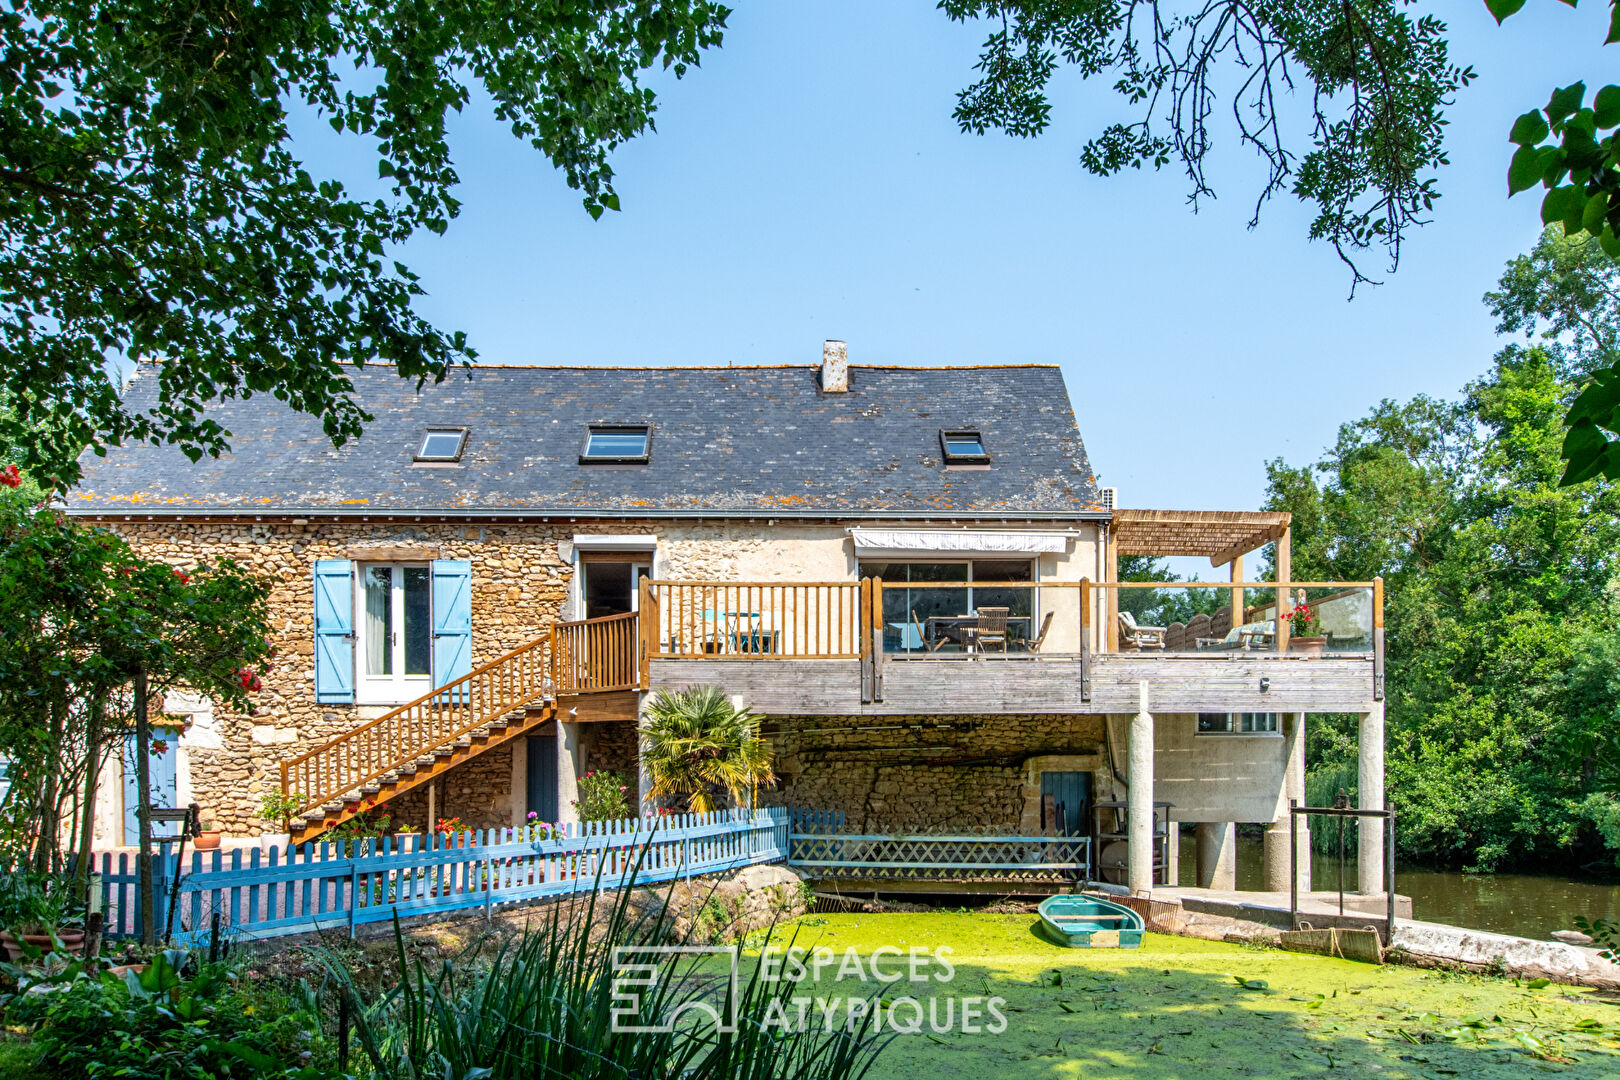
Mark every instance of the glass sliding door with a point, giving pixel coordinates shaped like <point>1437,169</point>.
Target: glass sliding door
<point>395,628</point>
<point>927,605</point>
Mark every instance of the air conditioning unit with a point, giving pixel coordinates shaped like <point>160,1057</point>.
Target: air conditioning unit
<point>1110,498</point>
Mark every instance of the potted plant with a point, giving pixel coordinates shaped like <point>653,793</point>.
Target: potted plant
<point>38,918</point>
<point>277,810</point>
<point>207,838</point>
<point>1304,631</point>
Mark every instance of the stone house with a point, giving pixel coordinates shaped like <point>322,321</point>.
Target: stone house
<point>909,571</point>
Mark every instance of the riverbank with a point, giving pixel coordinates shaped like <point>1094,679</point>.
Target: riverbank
<point>1525,905</point>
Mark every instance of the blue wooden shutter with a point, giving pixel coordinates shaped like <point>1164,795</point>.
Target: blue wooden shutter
<point>452,620</point>
<point>334,631</point>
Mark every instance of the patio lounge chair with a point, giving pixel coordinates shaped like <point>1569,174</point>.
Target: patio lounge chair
<point>1033,644</point>
<point>1141,637</point>
<point>991,628</point>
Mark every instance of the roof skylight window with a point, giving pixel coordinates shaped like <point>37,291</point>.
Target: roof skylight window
<point>442,444</point>
<point>616,443</point>
<point>964,447</point>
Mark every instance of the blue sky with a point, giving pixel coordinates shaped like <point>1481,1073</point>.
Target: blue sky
<point>807,182</point>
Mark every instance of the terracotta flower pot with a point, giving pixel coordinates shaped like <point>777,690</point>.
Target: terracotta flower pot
<point>207,840</point>
<point>72,943</point>
<point>1307,646</point>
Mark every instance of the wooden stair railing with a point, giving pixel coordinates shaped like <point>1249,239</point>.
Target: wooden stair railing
<point>348,762</point>
<point>581,657</point>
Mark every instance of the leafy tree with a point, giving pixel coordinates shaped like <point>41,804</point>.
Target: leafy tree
<point>696,743</point>
<point>1502,644</point>
<point>1378,78</point>
<point>93,633</point>
<point>152,206</point>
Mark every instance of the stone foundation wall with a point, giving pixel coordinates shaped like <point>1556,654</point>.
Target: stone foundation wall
<point>924,773</point>
<point>479,792</point>
<point>614,746</point>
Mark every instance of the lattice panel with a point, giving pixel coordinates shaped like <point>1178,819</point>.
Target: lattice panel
<point>942,857</point>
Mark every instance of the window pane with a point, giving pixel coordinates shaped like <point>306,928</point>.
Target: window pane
<point>953,571</point>
<point>964,446</point>
<point>379,620</point>
<point>1003,570</point>
<point>418,621</point>
<point>616,444</point>
<point>441,444</point>
<point>888,571</point>
<point>1214,722</point>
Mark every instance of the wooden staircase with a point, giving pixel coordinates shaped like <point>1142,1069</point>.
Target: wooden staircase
<point>494,704</point>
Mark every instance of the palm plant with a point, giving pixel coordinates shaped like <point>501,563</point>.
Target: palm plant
<point>694,741</point>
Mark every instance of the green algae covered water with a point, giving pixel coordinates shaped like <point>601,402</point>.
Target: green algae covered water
<point>1181,1008</point>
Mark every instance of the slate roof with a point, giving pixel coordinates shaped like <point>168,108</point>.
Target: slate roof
<point>738,440</point>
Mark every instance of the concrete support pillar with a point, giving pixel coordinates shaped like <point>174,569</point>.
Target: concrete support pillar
<point>1370,796</point>
<point>1217,855</point>
<point>570,756</point>
<point>1139,801</point>
<point>1293,787</point>
<point>1172,854</point>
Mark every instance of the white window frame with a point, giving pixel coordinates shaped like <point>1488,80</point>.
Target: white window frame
<point>1234,725</point>
<point>397,688</point>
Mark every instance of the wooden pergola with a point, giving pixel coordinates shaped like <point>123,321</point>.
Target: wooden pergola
<point>1218,535</point>
<point>1224,537</point>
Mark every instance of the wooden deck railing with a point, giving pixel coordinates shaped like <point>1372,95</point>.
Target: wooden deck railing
<point>597,655</point>
<point>805,621</point>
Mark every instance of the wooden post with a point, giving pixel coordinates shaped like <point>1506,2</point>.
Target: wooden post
<point>1285,572</point>
<point>1378,638</point>
<point>877,639</point>
<point>863,635</point>
<point>1111,596</point>
<point>1237,594</point>
<point>1085,639</point>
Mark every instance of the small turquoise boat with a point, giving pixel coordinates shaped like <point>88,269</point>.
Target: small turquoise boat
<point>1090,922</point>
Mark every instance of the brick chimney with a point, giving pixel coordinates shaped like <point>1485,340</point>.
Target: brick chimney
<point>834,367</point>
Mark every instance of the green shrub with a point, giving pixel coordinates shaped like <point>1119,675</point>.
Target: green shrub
<point>156,1026</point>
<point>603,796</point>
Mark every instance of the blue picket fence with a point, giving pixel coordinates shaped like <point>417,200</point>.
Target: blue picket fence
<point>333,886</point>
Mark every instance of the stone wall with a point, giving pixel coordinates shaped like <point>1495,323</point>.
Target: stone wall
<point>923,773</point>
<point>518,587</point>
<point>613,745</point>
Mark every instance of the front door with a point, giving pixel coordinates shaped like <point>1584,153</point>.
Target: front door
<point>542,778</point>
<point>162,779</point>
<point>1071,800</point>
<point>395,633</point>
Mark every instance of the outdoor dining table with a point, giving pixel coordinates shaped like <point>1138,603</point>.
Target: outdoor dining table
<point>955,627</point>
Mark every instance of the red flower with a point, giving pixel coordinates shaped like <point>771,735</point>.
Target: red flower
<point>10,477</point>
<point>185,578</point>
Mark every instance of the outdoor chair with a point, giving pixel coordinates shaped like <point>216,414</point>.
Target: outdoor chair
<point>1141,637</point>
<point>991,628</point>
<point>1175,637</point>
<point>1033,644</point>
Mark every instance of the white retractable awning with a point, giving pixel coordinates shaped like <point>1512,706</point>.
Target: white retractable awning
<point>901,543</point>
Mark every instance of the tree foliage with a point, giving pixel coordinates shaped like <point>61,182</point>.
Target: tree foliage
<point>81,614</point>
<point>695,743</point>
<point>1503,595</point>
<point>152,206</point>
<point>1378,78</point>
